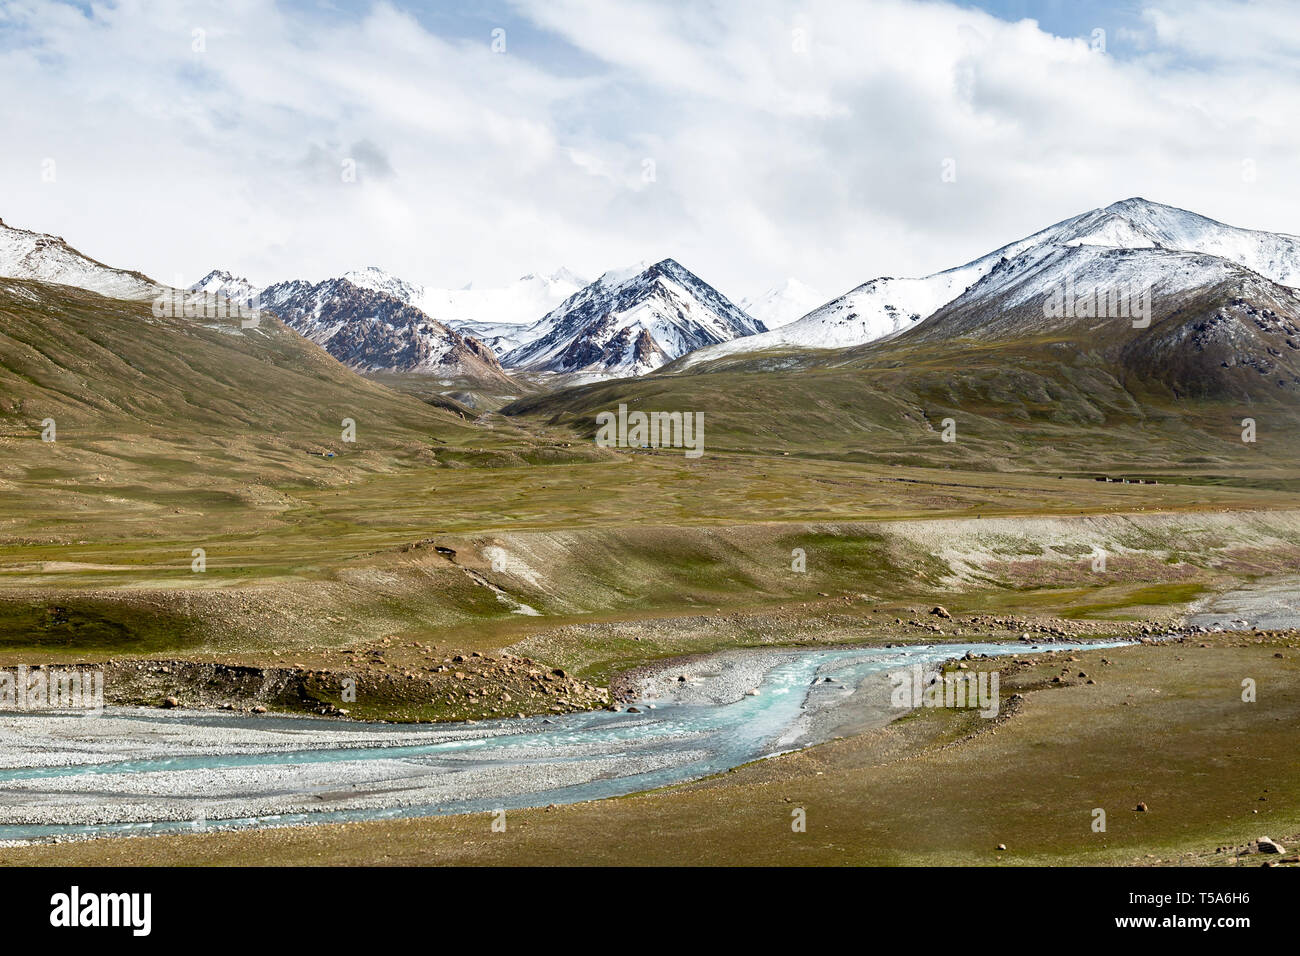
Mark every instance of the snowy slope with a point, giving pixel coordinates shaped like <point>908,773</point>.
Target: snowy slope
<point>1134,223</point>
<point>1013,300</point>
<point>500,337</point>
<point>784,304</point>
<point>378,280</point>
<point>630,322</point>
<point>884,306</point>
<point>34,255</point>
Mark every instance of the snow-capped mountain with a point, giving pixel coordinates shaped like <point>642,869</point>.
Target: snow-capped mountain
<point>373,331</point>
<point>237,289</point>
<point>1138,223</point>
<point>783,304</point>
<point>379,280</point>
<point>885,306</point>
<point>1019,298</point>
<point>35,255</point>
<point>498,317</point>
<point>495,319</point>
<point>630,322</point>
<point>1150,318</point>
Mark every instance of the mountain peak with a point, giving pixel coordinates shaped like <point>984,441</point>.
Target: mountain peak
<point>221,275</point>
<point>615,277</point>
<point>631,321</point>
<point>1134,202</point>
<point>1154,216</point>
<point>227,285</point>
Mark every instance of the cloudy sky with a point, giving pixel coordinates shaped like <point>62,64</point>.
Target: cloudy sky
<point>829,140</point>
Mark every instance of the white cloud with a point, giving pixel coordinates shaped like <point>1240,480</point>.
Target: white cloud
<point>785,139</point>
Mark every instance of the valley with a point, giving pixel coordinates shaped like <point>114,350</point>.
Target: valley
<point>1058,496</point>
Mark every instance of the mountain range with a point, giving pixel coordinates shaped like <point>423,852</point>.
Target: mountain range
<point>628,322</point>
<point>368,330</point>
<point>1135,335</point>
<point>498,317</point>
<point>1221,300</point>
<point>887,305</point>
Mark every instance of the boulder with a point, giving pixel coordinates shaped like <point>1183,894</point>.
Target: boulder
<point>1270,846</point>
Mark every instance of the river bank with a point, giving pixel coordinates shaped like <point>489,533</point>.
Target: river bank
<point>134,769</point>
<point>1161,725</point>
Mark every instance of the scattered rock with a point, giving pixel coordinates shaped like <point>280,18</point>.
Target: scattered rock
<point>1270,846</point>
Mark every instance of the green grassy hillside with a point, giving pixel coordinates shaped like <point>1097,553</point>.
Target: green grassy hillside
<point>1045,405</point>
